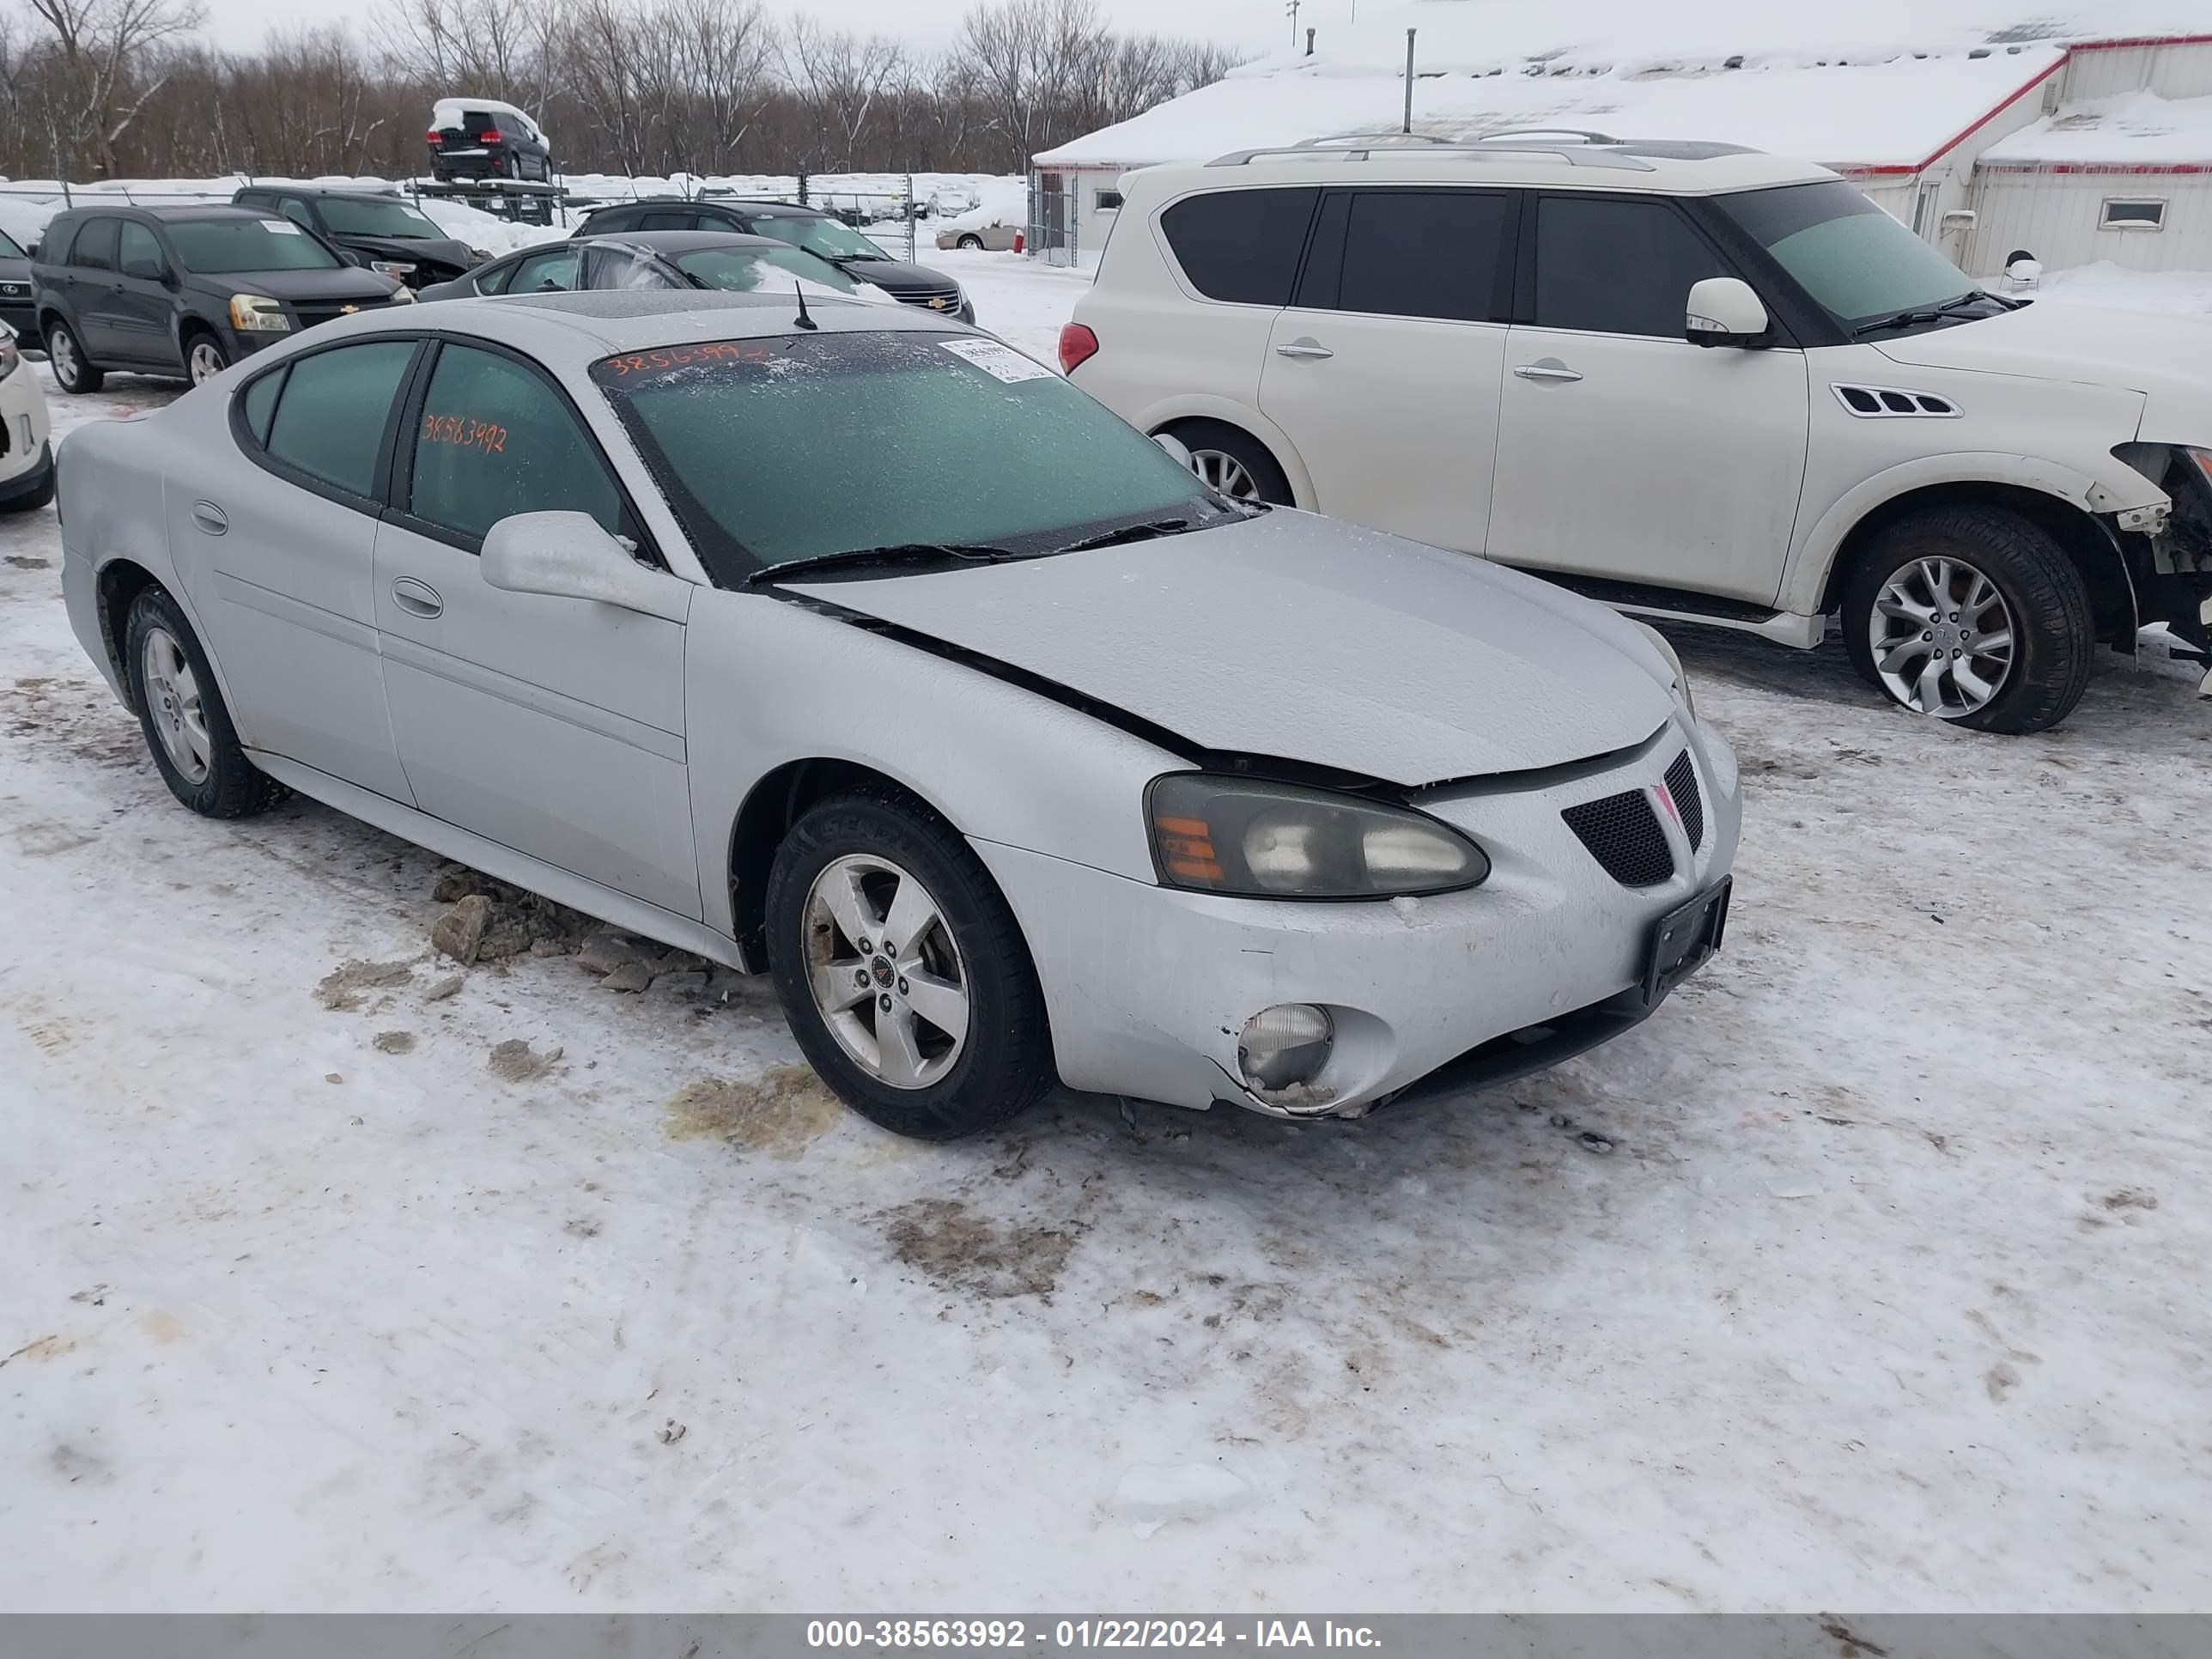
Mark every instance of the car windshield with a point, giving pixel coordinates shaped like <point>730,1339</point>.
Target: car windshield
<point>213,247</point>
<point>794,447</point>
<point>9,249</point>
<point>350,215</point>
<point>1856,262</point>
<point>832,239</point>
<point>743,270</point>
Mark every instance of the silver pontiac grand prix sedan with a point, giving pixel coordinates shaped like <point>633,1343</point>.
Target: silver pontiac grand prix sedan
<point>857,648</point>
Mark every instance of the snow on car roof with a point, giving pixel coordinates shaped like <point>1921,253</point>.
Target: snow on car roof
<point>1878,83</point>
<point>449,112</point>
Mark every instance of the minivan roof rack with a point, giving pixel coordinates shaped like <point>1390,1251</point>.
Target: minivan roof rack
<point>1359,146</point>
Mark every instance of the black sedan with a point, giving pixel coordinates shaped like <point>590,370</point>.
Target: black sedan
<point>391,236</point>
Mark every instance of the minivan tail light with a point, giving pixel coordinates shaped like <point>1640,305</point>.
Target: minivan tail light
<point>436,137</point>
<point>1077,344</point>
<point>487,138</point>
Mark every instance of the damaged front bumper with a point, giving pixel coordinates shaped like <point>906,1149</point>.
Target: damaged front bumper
<point>1150,988</point>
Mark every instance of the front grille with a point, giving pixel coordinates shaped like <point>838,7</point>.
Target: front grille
<point>1682,785</point>
<point>1622,834</point>
<point>15,290</point>
<point>310,315</point>
<point>947,300</point>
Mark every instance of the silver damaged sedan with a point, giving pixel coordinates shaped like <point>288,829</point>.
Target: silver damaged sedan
<point>853,646</point>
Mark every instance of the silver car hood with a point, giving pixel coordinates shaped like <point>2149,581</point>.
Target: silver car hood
<point>1304,639</point>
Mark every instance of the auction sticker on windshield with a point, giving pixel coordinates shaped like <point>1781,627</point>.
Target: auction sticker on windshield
<point>1000,361</point>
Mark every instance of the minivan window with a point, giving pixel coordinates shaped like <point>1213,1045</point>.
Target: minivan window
<point>968,441</point>
<point>1241,246</point>
<point>1855,261</point>
<point>218,246</point>
<point>1422,253</point>
<point>494,440</point>
<point>94,249</point>
<point>1616,267</point>
<point>331,414</point>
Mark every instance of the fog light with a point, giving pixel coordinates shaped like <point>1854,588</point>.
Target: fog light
<point>1285,1045</point>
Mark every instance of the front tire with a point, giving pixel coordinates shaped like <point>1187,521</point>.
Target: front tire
<point>187,727</point>
<point>971,242</point>
<point>902,971</point>
<point>1973,615</point>
<point>204,357</point>
<point>1233,461</point>
<point>71,371</point>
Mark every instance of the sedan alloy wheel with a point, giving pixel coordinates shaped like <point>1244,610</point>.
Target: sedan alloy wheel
<point>885,972</point>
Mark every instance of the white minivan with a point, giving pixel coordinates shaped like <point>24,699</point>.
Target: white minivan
<point>1690,380</point>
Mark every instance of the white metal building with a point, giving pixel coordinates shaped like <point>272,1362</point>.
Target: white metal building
<point>2075,130</point>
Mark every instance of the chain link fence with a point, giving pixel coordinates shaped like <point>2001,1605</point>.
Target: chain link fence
<point>1055,218</point>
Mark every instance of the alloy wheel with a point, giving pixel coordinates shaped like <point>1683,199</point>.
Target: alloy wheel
<point>62,349</point>
<point>1225,473</point>
<point>885,972</point>
<point>205,361</point>
<point>173,692</point>
<point>1943,637</point>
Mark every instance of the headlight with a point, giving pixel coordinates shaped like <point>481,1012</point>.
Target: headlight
<point>9,356</point>
<point>1261,839</point>
<point>1674,662</point>
<point>256,314</point>
<point>392,268</point>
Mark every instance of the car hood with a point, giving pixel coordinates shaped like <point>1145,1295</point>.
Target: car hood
<point>347,283</point>
<point>442,252</point>
<point>2167,358</point>
<point>895,274</point>
<point>1299,638</point>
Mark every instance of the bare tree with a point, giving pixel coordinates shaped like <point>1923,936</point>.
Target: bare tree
<point>724,58</point>
<point>91,99</point>
<point>840,75</point>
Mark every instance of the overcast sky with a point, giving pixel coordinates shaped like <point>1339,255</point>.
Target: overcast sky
<point>1252,25</point>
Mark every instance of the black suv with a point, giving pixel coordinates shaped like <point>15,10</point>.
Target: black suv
<point>486,140</point>
<point>183,290</point>
<point>16,289</point>
<point>375,228</point>
<point>820,234</point>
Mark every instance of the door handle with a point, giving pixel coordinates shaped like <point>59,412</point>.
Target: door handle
<point>1306,348</point>
<point>1549,368</point>
<point>210,517</point>
<point>416,599</point>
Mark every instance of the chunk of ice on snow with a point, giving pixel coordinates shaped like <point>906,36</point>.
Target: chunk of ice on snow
<point>1150,1494</point>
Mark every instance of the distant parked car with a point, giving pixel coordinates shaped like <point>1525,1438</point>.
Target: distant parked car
<point>663,259</point>
<point>27,460</point>
<point>483,138</point>
<point>817,231</point>
<point>389,235</point>
<point>16,310</point>
<point>185,290</point>
<point>997,239</point>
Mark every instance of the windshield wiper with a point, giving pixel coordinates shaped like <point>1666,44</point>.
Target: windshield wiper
<point>1937,313</point>
<point>898,553</point>
<point>1127,532</point>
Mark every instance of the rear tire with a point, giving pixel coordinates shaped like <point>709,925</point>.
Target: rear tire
<point>1233,461</point>
<point>971,241</point>
<point>71,371</point>
<point>1973,615</point>
<point>181,711</point>
<point>876,1022</point>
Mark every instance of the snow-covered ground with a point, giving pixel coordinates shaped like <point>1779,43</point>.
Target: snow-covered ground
<point>1868,1273</point>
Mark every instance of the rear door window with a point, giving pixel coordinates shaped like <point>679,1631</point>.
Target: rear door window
<point>1617,267</point>
<point>94,249</point>
<point>1241,246</point>
<point>331,414</point>
<point>1443,254</point>
<point>553,271</point>
<point>495,440</point>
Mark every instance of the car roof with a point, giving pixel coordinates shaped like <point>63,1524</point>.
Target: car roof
<point>569,331</point>
<point>684,241</point>
<point>324,192</point>
<point>1575,161</point>
<point>171,216</point>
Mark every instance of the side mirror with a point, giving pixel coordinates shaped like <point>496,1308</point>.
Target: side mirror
<point>567,556</point>
<point>1723,311</point>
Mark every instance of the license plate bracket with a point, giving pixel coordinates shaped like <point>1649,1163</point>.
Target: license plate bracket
<point>1684,940</point>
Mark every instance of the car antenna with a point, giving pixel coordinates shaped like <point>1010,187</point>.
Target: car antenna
<point>804,322</point>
